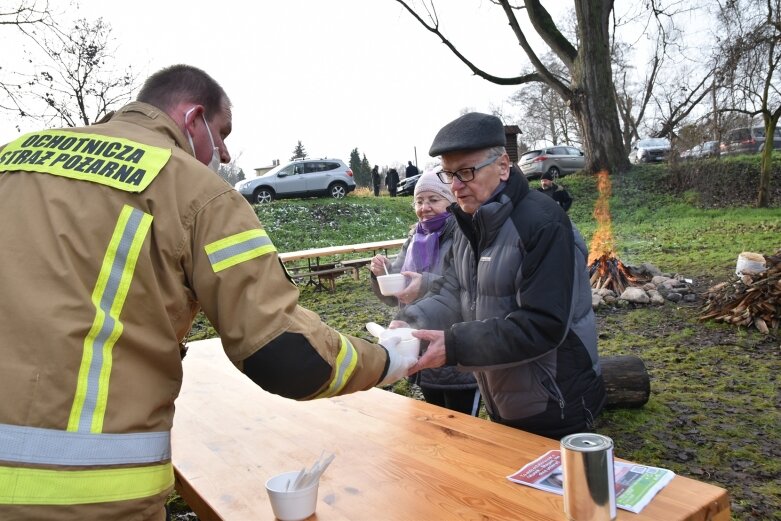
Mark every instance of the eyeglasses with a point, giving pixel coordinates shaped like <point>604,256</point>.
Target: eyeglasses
<point>465,174</point>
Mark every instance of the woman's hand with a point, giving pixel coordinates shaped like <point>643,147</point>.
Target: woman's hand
<point>378,264</point>
<point>411,291</point>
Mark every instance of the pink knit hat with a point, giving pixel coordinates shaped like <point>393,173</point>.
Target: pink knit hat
<point>429,182</point>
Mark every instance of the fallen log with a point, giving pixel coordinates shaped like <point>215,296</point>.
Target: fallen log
<point>626,379</point>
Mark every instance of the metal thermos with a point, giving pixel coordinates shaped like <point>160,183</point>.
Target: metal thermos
<point>589,481</point>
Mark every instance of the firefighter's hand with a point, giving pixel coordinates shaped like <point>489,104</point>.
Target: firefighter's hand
<point>398,364</point>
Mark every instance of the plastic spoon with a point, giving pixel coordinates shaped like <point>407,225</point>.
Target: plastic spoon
<point>317,470</point>
<point>297,481</point>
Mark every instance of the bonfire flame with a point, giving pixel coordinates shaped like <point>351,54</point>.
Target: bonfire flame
<point>605,269</point>
<point>602,242</point>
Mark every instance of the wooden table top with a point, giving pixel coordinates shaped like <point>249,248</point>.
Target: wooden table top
<point>396,458</point>
<point>340,250</point>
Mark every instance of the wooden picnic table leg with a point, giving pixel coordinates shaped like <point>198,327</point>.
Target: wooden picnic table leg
<point>311,281</point>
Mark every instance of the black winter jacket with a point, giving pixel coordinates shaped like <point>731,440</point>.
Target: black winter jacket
<point>515,304</point>
<point>559,194</point>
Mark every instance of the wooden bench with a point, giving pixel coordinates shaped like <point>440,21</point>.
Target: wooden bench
<point>317,272</point>
<point>359,263</point>
<point>327,273</point>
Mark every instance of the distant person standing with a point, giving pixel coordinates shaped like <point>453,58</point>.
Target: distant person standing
<point>392,181</point>
<point>558,193</point>
<point>411,170</point>
<point>376,180</point>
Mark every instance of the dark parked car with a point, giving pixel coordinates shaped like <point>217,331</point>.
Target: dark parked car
<point>702,151</point>
<point>747,140</point>
<point>707,149</point>
<point>407,185</point>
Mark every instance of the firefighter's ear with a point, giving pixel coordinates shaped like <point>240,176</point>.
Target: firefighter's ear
<point>191,116</point>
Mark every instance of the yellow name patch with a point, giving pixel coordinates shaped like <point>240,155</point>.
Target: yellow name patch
<point>116,162</point>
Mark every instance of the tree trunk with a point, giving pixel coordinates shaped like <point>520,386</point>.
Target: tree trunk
<point>763,194</point>
<point>593,101</point>
<point>627,383</point>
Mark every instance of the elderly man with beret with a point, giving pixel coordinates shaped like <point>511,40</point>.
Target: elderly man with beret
<point>514,305</point>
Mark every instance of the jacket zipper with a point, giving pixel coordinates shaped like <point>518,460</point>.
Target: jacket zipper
<point>490,404</point>
<point>555,393</point>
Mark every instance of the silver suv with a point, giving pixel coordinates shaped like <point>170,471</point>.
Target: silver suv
<point>558,161</point>
<point>300,178</point>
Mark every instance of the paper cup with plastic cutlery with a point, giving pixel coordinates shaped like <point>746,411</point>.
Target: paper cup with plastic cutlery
<point>293,495</point>
<point>399,339</point>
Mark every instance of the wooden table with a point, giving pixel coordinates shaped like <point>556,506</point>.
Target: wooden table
<point>330,251</point>
<point>316,253</point>
<point>396,458</point>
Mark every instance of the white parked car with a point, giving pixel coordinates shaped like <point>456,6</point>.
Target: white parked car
<point>300,178</point>
<point>650,150</point>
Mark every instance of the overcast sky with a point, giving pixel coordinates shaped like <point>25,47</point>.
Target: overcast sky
<point>335,74</point>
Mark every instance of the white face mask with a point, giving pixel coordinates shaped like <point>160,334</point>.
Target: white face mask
<point>214,164</point>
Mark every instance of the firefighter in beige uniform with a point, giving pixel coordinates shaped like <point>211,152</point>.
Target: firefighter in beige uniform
<point>113,237</point>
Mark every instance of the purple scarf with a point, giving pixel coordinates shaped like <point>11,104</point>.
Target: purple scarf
<point>423,251</point>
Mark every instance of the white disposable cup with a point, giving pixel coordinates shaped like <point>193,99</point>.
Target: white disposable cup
<point>291,505</point>
<point>409,347</point>
<point>392,284</point>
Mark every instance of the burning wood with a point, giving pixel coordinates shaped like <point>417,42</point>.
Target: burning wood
<point>609,272</point>
<point>606,271</point>
<point>754,299</point>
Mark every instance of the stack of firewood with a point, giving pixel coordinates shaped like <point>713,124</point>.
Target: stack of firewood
<point>752,299</point>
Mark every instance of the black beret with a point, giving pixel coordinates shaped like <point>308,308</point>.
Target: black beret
<point>547,175</point>
<point>472,131</point>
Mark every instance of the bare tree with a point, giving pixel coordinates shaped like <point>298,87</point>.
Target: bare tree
<point>673,81</point>
<point>69,76</point>
<point>588,89</point>
<point>632,96</point>
<point>751,53</point>
<point>26,14</point>
<point>546,117</point>
<point>675,100</point>
<point>23,16</point>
